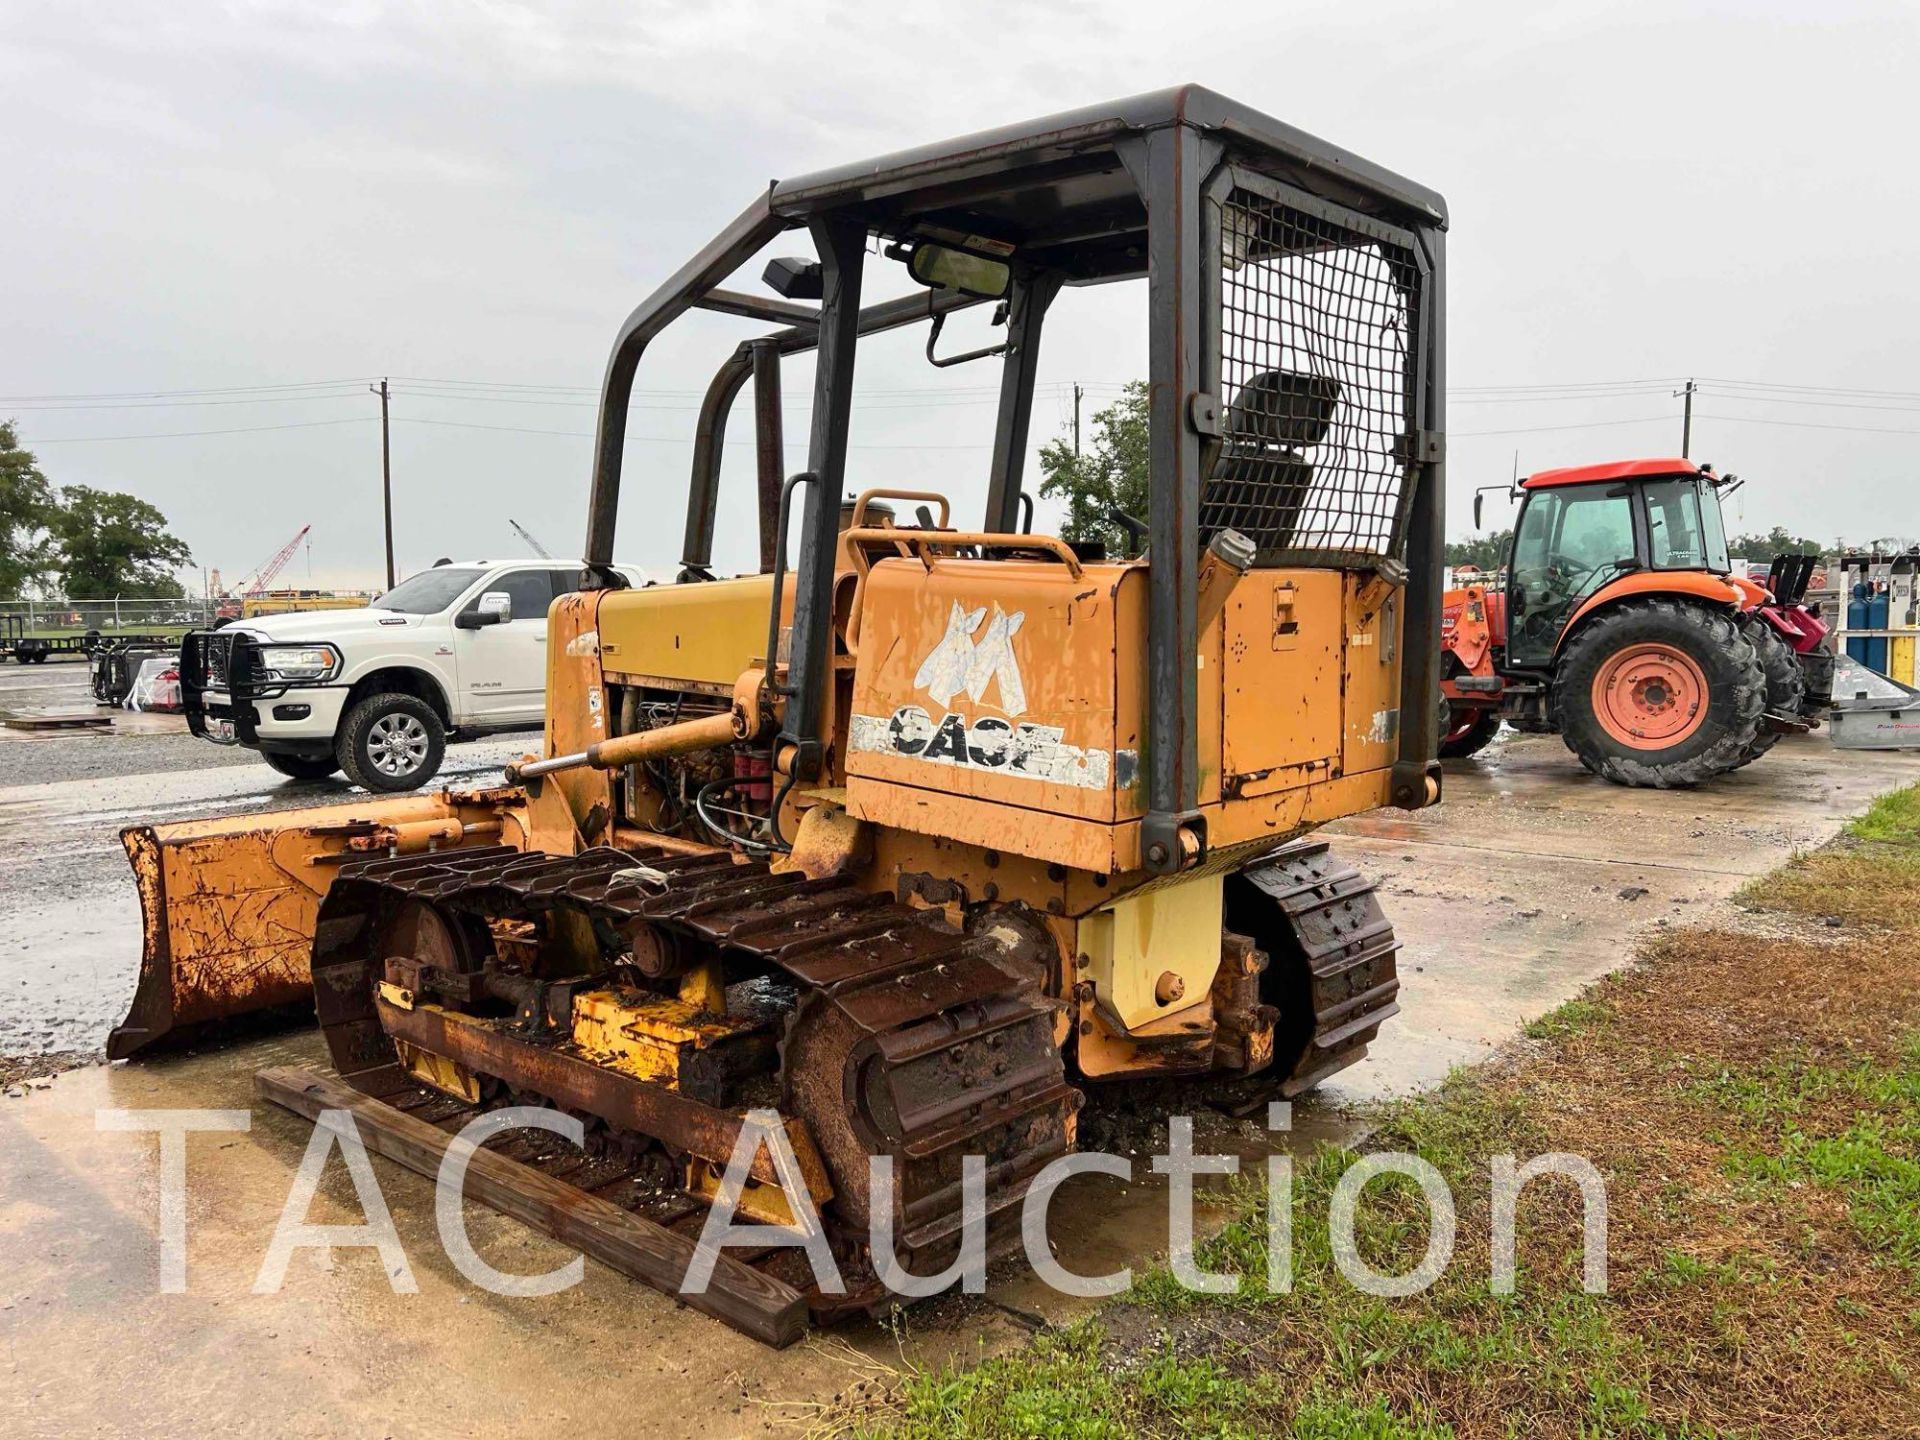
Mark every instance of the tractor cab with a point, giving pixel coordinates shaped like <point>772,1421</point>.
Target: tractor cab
<point>1582,528</point>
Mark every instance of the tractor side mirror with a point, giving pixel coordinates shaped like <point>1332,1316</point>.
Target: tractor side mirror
<point>1477,498</point>
<point>494,608</point>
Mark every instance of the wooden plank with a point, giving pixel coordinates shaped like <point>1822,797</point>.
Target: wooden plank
<point>59,722</point>
<point>769,1310</point>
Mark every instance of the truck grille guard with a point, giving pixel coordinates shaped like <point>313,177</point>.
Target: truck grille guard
<point>221,660</point>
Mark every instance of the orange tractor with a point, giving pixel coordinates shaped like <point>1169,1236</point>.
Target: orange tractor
<point>1622,627</point>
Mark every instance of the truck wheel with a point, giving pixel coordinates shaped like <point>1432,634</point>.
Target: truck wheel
<point>1786,685</point>
<point>391,742</point>
<point>1472,735</point>
<point>1659,693</point>
<point>302,767</point>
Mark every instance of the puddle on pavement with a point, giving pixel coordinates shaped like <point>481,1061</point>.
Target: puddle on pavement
<point>67,973</point>
<point>70,938</point>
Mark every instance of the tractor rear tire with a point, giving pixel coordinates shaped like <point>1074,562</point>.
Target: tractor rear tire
<point>1471,735</point>
<point>1660,694</point>
<point>1786,685</point>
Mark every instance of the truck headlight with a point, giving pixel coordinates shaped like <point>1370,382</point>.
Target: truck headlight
<point>299,664</point>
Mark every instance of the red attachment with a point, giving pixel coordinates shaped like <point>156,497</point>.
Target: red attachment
<point>1610,470</point>
<point>1798,626</point>
<point>756,774</point>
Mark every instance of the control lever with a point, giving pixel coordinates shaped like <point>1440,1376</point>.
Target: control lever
<point>1136,532</point>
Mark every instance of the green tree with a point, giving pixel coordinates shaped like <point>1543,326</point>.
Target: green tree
<point>1777,541</point>
<point>1109,474</point>
<point>1489,552</point>
<point>27,510</point>
<point>114,544</point>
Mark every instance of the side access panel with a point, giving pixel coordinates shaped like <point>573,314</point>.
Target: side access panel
<point>985,706</point>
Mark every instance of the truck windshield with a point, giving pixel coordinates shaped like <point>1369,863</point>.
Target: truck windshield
<point>429,592</point>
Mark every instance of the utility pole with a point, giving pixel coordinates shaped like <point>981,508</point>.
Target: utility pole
<point>386,476</point>
<point>1077,392</point>
<point>1686,424</point>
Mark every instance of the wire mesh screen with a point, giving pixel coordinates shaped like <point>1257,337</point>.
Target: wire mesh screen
<point>1317,370</point>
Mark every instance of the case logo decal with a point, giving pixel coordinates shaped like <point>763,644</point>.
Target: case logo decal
<point>959,663</point>
<point>971,661</point>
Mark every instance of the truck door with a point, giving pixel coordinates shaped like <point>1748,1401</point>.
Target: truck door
<point>503,668</point>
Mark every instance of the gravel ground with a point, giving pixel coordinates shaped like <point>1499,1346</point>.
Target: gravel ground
<point>55,758</point>
<point>136,745</point>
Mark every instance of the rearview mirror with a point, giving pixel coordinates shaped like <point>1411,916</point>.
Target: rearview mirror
<point>945,269</point>
<point>1476,512</point>
<point>494,608</point>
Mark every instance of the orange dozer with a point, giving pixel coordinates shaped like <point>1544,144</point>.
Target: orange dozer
<point>1623,627</point>
<point>914,838</point>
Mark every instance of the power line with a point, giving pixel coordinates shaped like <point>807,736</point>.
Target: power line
<point>186,404</point>
<point>185,434</point>
<point>1815,389</point>
<point>1817,404</point>
<point>1576,425</point>
<point>1456,397</point>
<point>349,385</point>
<point>165,394</point>
<point>644,439</point>
<point>1806,425</point>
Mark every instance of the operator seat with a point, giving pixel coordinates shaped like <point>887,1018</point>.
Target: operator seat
<point>1260,482</point>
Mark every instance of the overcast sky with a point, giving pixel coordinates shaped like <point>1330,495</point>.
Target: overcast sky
<point>204,197</point>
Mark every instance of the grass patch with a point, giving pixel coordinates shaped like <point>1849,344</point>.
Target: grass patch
<point>1576,1015</point>
<point>1753,1104</point>
<point>1870,877</point>
<point>1893,819</point>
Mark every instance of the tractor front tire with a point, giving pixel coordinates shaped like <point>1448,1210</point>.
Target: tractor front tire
<point>1472,735</point>
<point>1660,694</point>
<point>1786,685</point>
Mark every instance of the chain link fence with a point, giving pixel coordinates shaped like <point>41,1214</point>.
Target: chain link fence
<point>52,618</point>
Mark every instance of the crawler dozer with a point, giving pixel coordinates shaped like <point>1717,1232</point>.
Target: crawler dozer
<point>925,827</point>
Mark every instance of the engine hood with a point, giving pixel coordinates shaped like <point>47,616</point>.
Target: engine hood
<point>327,624</point>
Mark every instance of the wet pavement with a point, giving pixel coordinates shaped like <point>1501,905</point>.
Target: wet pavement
<point>69,920</point>
<point>1532,879</point>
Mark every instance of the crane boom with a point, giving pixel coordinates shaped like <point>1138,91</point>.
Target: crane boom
<point>278,563</point>
<point>527,536</point>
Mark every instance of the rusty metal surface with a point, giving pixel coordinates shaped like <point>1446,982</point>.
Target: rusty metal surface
<point>573,1083</point>
<point>907,1038</point>
<point>228,907</point>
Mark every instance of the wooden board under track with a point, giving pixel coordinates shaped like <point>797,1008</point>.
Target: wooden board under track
<point>599,1206</point>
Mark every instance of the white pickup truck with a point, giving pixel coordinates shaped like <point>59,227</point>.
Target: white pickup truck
<point>460,649</point>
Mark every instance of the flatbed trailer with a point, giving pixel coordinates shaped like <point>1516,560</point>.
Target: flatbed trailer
<point>38,649</point>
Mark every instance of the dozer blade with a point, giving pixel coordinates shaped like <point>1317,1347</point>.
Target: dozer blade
<point>228,905</point>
